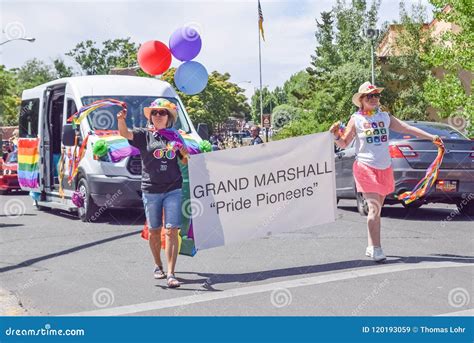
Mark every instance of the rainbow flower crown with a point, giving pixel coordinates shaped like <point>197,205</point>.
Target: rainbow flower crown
<point>164,104</point>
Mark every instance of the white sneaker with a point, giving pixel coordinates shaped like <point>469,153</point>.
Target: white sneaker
<point>376,253</point>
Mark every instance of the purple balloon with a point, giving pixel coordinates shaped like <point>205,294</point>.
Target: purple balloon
<point>185,43</point>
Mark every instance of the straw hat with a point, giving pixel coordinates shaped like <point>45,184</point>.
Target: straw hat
<point>365,88</point>
<point>161,103</point>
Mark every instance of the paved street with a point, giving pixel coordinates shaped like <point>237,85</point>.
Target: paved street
<point>53,264</point>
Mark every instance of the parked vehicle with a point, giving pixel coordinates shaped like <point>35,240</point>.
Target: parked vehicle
<point>410,159</point>
<point>8,173</point>
<point>43,115</point>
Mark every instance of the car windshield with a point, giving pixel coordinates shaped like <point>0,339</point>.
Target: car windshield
<point>442,130</point>
<point>106,118</point>
<point>12,157</point>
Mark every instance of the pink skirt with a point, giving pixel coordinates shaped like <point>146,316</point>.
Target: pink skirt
<point>372,180</point>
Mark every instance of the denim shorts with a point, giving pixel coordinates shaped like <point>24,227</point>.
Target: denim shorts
<point>157,203</point>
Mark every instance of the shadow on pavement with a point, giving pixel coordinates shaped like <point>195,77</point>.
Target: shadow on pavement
<point>208,280</point>
<point>10,225</point>
<point>110,216</point>
<point>66,251</point>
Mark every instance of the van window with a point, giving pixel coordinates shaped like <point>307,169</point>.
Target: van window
<point>29,118</point>
<point>106,118</point>
<point>71,108</point>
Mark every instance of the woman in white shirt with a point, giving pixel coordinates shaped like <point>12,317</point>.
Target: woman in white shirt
<point>372,169</point>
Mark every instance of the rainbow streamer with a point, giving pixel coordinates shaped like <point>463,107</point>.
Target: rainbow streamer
<point>84,111</point>
<point>425,184</point>
<point>183,138</point>
<point>28,166</point>
<point>119,148</point>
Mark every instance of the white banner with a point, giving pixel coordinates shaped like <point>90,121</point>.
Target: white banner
<point>255,191</point>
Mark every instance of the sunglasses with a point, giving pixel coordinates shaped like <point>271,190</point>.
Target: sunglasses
<point>160,113</point>
<point>373,95</point>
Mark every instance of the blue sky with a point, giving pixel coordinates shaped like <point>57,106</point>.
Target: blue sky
<point>228,29</point>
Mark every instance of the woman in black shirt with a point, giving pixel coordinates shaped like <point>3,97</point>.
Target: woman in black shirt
<point>161,181</point>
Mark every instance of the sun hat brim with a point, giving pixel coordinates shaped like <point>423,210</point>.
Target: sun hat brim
<point>356,96</point>
<point>147,111</point>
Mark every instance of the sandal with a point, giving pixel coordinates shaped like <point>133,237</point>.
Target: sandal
<point>159,273</point>
<point>173,282</point>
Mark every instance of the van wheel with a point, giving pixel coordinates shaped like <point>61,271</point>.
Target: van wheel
<point>42,208</point>
<point>86,213</point>
<point>362,206</point>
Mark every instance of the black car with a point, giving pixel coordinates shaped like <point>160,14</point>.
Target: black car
<point>410,159</point>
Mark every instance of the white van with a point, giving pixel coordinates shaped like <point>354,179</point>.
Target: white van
<point>43,115</point>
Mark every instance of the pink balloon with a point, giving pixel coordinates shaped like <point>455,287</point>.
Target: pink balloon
<point>154,57</point>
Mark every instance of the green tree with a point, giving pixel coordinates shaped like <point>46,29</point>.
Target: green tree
<point>283,114</point>
<point>95,60</point>
<point>341,62</point>
<point>61,69</point>
<point>405,73</point>
<point>326,57</point>
<point>9,99</point>
<point>304,125</point>
<point>220,100</point>
<point>279,95</point>
<point>452,53</point>
<point>298,88</point>
<point>268,101</point>
<point>33,73</point>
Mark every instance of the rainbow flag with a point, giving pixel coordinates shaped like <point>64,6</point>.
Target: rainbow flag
<point>28,166</point>
<point>119,148</point>
<point>182,137</point>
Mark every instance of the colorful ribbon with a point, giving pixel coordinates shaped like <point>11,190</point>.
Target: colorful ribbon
<point>181,138</point>
<point>425,184</point>
<point>84,111</point>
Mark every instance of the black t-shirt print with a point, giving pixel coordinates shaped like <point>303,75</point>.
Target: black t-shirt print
<point>160,169</point>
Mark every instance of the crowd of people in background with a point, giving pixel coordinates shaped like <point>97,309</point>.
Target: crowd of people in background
<point>228,139</point>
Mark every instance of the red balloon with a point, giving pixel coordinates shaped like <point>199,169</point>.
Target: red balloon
<point>154,57</point>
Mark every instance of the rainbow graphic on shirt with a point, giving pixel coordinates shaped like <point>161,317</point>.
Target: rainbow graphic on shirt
<point>375,132</point>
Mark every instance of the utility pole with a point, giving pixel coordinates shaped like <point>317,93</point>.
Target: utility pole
<point>372,35</point>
